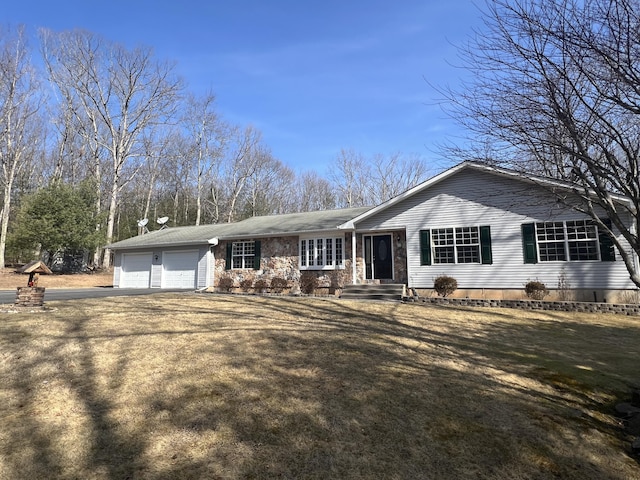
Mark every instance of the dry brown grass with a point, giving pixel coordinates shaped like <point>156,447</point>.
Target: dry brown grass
<point>232,387</point>
<point>9,280</point>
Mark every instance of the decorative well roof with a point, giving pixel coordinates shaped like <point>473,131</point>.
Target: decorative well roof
<point>35,266</point>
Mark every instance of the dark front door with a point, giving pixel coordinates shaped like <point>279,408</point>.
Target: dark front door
<point>379,264</point>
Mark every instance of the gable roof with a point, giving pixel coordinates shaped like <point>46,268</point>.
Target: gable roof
<point>254,227</point>
<point>504,172</point>
<point>318,221</point>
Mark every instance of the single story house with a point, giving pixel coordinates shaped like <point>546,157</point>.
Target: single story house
<point>492,229</point>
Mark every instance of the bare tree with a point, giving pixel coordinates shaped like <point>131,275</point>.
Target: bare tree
<point>349,174</point>
<point>157,144</point>
<point>270,188</point>
<point>556,88</point>
<point>361,181</point>
<point>124,92</point>
<point>80,154</point>
<point>19,109</point>
<point>175,185</point>
<point>244,158</point>
<point>316,193</point>
<point>390,175</point>
<point>207,138</point>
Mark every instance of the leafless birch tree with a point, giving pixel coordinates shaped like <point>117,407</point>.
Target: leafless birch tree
<point>244,158</point>
<point>20,102</point>
<point>207,138</point>
<point>124,92</point>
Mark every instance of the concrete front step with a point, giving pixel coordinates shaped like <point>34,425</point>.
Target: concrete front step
<point>388,291</point>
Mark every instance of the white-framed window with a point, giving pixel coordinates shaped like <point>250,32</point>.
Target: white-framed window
<point>243,255</point>
<point>456,245</point>
<point>573,240</point>
<point>468,245</point>
<point>322,253</point>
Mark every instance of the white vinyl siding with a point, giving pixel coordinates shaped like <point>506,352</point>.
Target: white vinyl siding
<point>472,197</point>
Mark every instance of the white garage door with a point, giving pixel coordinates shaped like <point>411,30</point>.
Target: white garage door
<point>179,269</point>
<point>136,270</point>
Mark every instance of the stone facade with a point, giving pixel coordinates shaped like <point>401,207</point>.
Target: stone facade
<point>279,259</point>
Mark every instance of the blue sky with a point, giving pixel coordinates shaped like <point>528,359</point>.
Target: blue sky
<point>313,76</point>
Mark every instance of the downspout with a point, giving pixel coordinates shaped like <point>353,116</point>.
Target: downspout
<point>211,263</point>
<point>354,275</point>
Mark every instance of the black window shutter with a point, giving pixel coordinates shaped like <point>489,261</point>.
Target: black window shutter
<point>607,248</point>
<point>227,262</point>
<point>425,247</point>
<point>529,243</point>
<point>256,258</point>
<point>485,245</point>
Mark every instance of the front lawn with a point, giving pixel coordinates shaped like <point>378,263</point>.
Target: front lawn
<point>233,387</point>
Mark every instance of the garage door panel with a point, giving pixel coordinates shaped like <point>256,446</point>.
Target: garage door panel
<point>179,269</point>
<point>135,270</point>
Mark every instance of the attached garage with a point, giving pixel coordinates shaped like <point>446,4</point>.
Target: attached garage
<point>179,269</point>
<point>136,270</point>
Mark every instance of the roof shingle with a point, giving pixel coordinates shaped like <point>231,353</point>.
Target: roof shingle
<point>270,225</point>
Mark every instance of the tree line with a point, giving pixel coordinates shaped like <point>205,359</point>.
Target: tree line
<point>118,135</point>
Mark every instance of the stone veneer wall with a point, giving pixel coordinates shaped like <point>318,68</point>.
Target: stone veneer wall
<point>624,309</point>
<point>280,259</point>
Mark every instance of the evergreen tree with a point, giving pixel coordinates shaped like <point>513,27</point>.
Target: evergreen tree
<point>57,218</point>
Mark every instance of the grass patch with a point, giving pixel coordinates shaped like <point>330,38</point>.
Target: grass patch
<point>229,387</point>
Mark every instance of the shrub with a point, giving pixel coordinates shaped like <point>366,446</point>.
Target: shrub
<point>260,286</point>
<point>225,284</point>
<point>278,284</point>
<point>536,290</point>
<point>564,287</point>
<point>337,278</point>
<point>445,285</point>
<point>246,284</point>
<point>308,282</point>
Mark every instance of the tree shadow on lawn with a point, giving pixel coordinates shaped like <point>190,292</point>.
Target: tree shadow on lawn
<point>37,421</point>
<point>289,388</point>
<point>366,373</point>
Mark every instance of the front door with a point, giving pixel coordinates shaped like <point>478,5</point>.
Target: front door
<point>378,259</point>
